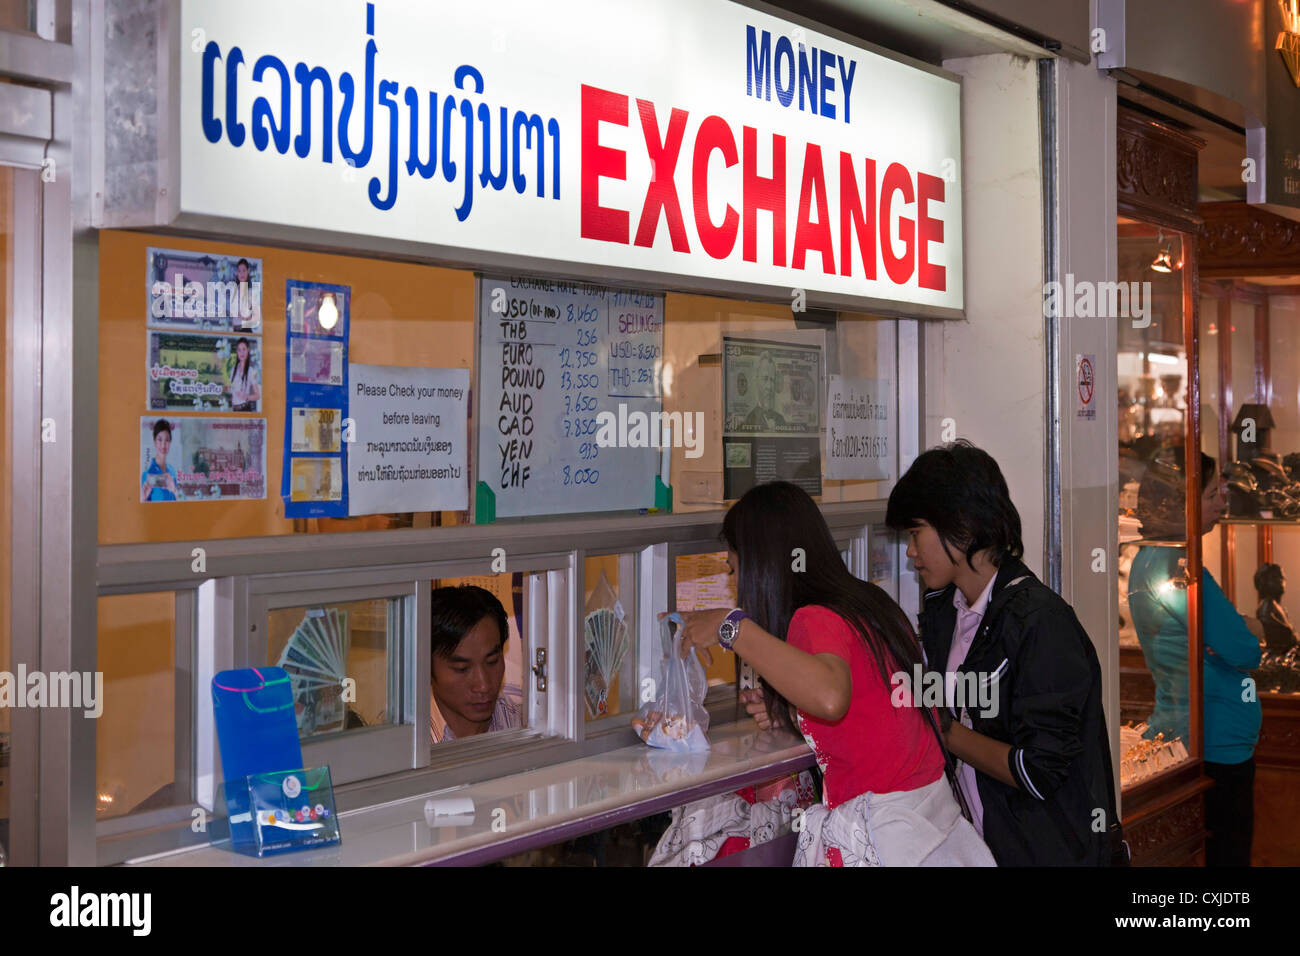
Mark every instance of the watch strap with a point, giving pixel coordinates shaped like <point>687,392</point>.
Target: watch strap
<point>729,629</point>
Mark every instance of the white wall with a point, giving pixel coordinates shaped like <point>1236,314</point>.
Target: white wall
<point>1087,248</point>
<point>987,373</point>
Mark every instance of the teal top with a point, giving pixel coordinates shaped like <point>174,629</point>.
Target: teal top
<point>1158,602</point>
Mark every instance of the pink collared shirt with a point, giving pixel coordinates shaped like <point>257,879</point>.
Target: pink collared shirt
<point>963,635</point>
<point>507,715</point>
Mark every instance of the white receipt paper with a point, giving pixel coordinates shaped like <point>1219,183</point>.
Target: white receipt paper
<point>458,812</point>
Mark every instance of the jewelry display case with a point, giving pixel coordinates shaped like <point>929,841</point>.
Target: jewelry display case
<point>1161,744</point>
<point>1250,370</point>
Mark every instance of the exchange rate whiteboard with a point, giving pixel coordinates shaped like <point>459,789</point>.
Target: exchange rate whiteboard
<point>556,362</point>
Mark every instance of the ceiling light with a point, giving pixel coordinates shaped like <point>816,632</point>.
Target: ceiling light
<point>1164,262</point>
<point>328,313</point>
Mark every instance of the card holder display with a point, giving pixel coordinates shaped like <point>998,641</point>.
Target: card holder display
<point>273,804</point>
<point>282,811</point>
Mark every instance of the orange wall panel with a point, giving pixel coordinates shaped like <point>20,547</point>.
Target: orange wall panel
<point>402,314</point>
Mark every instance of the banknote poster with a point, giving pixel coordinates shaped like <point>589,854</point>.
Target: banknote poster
<point>191,372</point>
<point>318,310</point>
<point>318,433</point>
<point>202,459</point>
<point>772,401</point>
<point>316,479</point>
<point>317,429</point>
<point>859,421</point>
<point>411,446</point>
<point>203,291</point>
<point>315,362</point>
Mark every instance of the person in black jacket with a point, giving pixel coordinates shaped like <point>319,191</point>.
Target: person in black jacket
<point>1021,680</point>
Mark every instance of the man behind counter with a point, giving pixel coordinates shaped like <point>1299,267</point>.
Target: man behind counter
<point>468,665</point>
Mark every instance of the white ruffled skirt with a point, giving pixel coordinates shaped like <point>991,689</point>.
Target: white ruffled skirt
<point>922,827</point>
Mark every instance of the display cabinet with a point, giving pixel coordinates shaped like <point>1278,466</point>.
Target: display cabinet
<point>1159,556</point>
<point>1250,367</point>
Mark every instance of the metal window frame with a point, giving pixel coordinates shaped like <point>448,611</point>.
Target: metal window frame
<point>57,614</point>
<point>29,136</point>
<point>185,628</point>
<point>225,608</point>
<point>631,673</point>
<point>388,748</point>
<point>24,437</point>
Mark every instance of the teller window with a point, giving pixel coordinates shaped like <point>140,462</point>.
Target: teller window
<point>477,654</point>
<point>349,652</point>
<point>703,580</point>
<point>609,636</point>
<point>337,654</point>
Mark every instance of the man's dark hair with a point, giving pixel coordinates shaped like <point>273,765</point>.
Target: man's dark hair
<point>162,425</point>
<point>959,490</point>
<point>244,263</point>
<point>455,610</point>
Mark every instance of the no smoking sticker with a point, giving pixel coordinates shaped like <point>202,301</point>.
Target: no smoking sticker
<point>1086,377</point>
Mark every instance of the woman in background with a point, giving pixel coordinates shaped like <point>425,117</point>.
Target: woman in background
<point>1157,598</point>
<point>245,386</point>
<point>829,647</point>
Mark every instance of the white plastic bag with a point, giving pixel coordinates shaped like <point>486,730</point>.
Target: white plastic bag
<point>676,719</point>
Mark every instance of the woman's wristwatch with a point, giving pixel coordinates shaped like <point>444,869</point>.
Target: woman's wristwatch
<point>729,629</point>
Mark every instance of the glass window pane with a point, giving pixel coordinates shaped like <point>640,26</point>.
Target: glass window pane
<point>15,16</point>
<point>7,239</point>
<point>402,313</point>
<point>1151,524</point>
<point>704,581</point>
<point>1153,661</point>
<point>135,736</point>
<point>867,348</point>
<point>344,661</point>
<point>609,634</point>
<point>1284,372</point>
<point>780,380</point>
<point>882,546</point>
<point>1249,554</point>
<point>476,686</point>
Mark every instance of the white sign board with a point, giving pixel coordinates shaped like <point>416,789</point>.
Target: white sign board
<point>672,137</point>
<point>859,421</point>
<point>570,414</point>
<point>410,438</point>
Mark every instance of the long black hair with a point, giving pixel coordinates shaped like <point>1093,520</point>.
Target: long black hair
<point>248,361</point>
<point>788,560</point>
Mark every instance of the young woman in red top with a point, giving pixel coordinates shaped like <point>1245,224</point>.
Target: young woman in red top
<point>828,646</point>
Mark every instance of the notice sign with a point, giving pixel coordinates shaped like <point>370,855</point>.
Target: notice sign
<point>1085,373</point>
<point>408,448</point>
<point>858,425</point>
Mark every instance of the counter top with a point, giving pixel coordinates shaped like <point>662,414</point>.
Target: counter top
<point>537,808</point>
